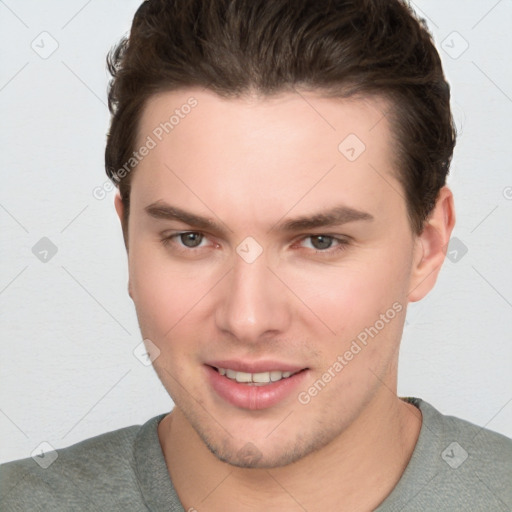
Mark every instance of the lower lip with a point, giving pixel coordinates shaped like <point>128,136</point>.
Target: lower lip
<point>253,397</point>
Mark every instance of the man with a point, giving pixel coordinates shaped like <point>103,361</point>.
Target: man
<point>281,169</point>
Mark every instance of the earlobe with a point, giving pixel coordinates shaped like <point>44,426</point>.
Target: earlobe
<point>431,246</point>
<point>118,203</point>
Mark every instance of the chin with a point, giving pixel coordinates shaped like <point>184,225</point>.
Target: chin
<point>270,456</point>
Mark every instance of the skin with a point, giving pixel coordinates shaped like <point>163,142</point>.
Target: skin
<point>249,164</point>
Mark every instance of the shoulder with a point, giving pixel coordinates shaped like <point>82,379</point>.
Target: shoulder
<point>88,475</point>
<point>484,450</point>
<point>456,465</point>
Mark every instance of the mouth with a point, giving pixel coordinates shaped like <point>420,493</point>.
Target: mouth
<point>254,386</point>
<point>256,379</point>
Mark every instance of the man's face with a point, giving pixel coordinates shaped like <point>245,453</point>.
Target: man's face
<point>260,245</point>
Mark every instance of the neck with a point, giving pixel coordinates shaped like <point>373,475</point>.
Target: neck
<point>358,469</point>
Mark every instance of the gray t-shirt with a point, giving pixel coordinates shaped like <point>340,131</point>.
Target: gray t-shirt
<point>455,466</point>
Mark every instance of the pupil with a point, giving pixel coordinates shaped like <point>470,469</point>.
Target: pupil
<point>191,239</point>
<point>321,242</point>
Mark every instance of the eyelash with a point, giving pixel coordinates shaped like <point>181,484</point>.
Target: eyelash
<point>341,243</point>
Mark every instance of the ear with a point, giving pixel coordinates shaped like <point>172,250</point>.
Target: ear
<point>118,203</point>
<point>431,246</point>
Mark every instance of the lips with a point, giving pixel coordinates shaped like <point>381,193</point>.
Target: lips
<point>255,366</point>
<point>255,379</point>
<point>253,385</point>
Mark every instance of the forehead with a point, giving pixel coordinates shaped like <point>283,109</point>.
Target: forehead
<point>273,151</point>
<point>299,116</point>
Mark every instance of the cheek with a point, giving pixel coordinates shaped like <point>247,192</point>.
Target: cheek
<point>347,295</point>
<point>155,292</point>
<point>166,295</point>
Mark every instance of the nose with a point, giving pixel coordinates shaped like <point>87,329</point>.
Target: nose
<point>253,303</point>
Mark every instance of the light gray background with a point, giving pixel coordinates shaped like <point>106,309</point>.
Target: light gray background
<point>69,329</point>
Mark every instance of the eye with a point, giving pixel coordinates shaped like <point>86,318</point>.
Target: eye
<point>191,239</point>
<point>184,240</point>
<point>321,242</point>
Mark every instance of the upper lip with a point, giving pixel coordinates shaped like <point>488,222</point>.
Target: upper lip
<point>255,366</point>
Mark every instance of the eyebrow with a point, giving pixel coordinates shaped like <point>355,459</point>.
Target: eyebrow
<point>332,217</point>
<point>162,210</point>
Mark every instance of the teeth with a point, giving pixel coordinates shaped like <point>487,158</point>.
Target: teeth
<point>261,377</point>
<point>243,377</point>
<point>276,375</point>
<point>254,378</point>
<point>230,374</point>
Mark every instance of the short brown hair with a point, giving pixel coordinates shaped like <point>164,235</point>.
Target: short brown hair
<point>339,47</point>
